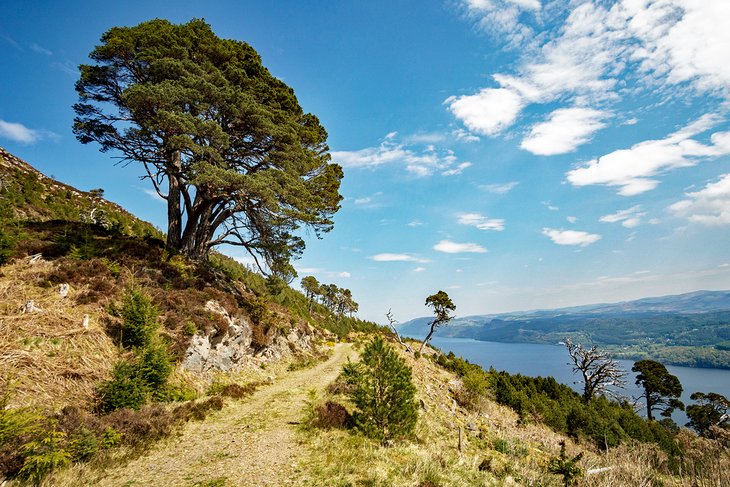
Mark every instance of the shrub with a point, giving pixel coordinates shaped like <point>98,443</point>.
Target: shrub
<point>473,389</point>
<point>139,319</point>
<point>6,248</point>
<point>84,445</point>
<point>566,467</point>
<point>331,414</point>
<point>17,427</point>
<point>124,390</point>
<point>44,455</point>
<point>154,368</point>
<point>383,393</point>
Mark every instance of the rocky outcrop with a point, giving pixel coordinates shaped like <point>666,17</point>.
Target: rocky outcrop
<point>230,349</point>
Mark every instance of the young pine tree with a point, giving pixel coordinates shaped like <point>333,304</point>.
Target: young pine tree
<point>383,393</point>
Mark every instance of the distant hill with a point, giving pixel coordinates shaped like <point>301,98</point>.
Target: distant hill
<point>686,329</point>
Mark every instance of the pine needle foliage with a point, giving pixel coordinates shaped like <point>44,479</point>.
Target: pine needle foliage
<point>139,319</point>
<point>383,393</point>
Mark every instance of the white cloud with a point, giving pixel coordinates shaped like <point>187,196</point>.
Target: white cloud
<point>419,269</point>
<point>415,223</point>
<point>499,188</point>
<point>449,247</point>
<point>709,206</point>
<point>425,138</point>
<point>323,272</point>
<point>153,194</point>
<point>565,130</point>
<point>629,218</point>
<point>390,257</point>
<point>571,219</point>
<point>633,170</point>
<point>502,18</point>
<point>488,112</point>
<point>464,136</point>
<point>18,132</point>
<point>570,237</point>
<point>457,170</point>
<point>421,162</point>
<point>481,222</point>
<point>590,53</point>
<point>369,201</point>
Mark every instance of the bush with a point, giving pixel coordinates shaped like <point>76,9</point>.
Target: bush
<point>331,414</point>
<point>125,390</point>
<point>154,368</point>
<point>139,319</point>
<point>383,393</point>
<point>6,248</point>
<point>473,389</point>
<point>44,455</point>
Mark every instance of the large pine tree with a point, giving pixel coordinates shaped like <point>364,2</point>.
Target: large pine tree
<point>224,142</point>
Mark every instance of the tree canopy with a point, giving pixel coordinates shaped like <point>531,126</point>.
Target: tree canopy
<point>442,307</point>
<point>711,410</point>
<point>223,141</point>
<point>661,389</point>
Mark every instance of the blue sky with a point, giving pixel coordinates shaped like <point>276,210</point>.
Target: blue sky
<point>517,154</point>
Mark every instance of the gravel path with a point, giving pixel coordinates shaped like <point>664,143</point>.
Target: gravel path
<point>249,443</point>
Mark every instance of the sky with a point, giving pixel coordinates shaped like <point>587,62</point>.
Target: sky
<point>517,154</point>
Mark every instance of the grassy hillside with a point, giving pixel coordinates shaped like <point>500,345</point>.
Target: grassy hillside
<point>62,350</point>
<point>92,391</point>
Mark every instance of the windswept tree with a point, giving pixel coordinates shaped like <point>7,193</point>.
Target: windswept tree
<point>442,307</point>
<point>311,288</point>
<point>224,142</point>
<point>600,372</point>
<point>662,390</point>
<point>711,410</point>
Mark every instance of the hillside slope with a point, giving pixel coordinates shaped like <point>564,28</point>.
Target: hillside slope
<point>690,329</point>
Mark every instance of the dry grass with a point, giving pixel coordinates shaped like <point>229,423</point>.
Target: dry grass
<point>49,354</point>
<point>496,450</point>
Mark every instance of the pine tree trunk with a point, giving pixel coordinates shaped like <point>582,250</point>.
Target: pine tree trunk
<point>174,215</point>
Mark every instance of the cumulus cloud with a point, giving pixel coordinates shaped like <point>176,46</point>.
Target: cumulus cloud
<point>633,170</point>
<point>419,161</point>
<point>449,247</point>
<point>390,257</point>
<point>576,53</point>
<point>488,112</point>
<point>565,130</point>
<point>570,237</point>
<point>629,218</point>
<point>709,206</point>
<point>481,222</point>
<point>499,188</point>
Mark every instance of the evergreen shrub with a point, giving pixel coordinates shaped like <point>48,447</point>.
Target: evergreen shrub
<point>383,393</point>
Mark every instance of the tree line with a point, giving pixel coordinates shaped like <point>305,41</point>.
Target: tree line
<point>336,299</point>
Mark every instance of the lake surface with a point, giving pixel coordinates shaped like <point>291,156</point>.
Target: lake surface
<point>552,360</point>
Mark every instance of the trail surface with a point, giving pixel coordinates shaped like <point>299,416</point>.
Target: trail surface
<point>251,442</point>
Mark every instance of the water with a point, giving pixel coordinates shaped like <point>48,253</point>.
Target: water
<point>552,360</point>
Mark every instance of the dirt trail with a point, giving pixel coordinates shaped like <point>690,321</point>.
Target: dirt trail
<point>250,442</point>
